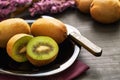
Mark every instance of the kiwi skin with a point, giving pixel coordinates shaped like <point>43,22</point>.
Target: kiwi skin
<point>10,27</point>
<point>83,5</point>
<point>42,58</point>
<point>13,46</point>
<point>49,26</point>
<point>105,11</point>
<point>42,62</point>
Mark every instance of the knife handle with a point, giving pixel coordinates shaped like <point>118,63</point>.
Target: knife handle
<point>87,44</point>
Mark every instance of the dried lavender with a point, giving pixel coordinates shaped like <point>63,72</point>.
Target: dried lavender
<point>50,6</point>
<point>9,6</point>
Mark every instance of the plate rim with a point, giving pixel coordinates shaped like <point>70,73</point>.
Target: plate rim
<point>63,67</point>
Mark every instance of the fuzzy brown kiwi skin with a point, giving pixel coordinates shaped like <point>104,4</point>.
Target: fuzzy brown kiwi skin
<point>39,63</point>
<point>83,5</point>
<point>10,27</point>
<point>49,27</point>
<point>105,11</point>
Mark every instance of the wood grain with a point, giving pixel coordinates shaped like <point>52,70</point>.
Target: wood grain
<point>106,67</point>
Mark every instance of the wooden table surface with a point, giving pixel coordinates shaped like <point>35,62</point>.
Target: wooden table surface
<point>106,67</point>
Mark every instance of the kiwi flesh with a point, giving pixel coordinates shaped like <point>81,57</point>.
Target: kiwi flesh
<point>42,50</point>
<point>16,47</point>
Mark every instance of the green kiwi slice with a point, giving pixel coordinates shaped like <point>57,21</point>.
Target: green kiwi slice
<point>16,47</point>
<point>42,50</point>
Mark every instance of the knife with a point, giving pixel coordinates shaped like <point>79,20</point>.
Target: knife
<point>80,40</point>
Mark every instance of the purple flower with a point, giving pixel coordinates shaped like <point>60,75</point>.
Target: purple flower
<point>9,6</point>
<point>50,6</point>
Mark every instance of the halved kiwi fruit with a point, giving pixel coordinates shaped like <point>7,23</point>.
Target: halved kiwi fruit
<point>42,50</point>
<point>16,47</point>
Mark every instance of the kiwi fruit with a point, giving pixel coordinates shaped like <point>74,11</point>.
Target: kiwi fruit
<point>49,26</point>
<point>105,11</point>
<point>10,27</point>
<point>16,47</point>
<point>83,5</point>
<point>42,50</point>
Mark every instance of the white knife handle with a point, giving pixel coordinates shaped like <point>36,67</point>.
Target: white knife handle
<point>87,44</point>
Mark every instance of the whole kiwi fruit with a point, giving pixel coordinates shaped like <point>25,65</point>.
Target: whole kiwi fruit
<point>10,27</point>
<point>49,26</point>
<point>83,5</point>
<point>42,50</point>
<point>105,11</point>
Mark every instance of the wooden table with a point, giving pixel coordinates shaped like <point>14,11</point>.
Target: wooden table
<point>106,67</point>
